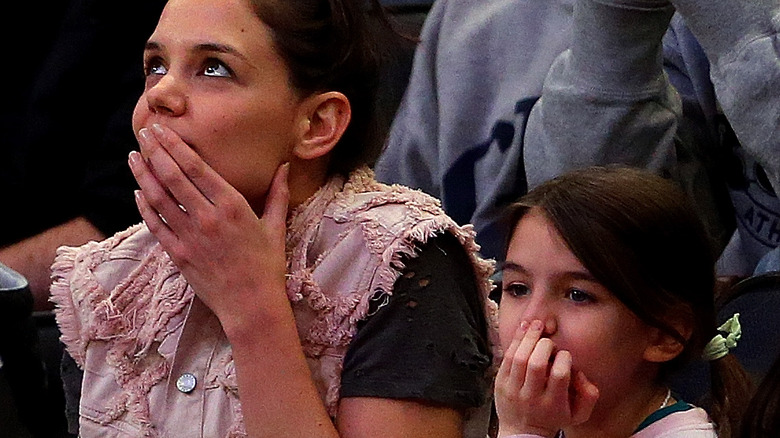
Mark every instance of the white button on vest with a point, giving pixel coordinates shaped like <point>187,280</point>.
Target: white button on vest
<point>186,383</point>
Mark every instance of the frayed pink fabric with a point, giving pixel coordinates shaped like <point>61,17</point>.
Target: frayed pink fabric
<point>382,224</point>
<point>345,221</point>
<point>128,318</point>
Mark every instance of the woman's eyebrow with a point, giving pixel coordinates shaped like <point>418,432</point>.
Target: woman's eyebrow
<point>201,47</point>
<point>152,46</point>
<point>219,48</point>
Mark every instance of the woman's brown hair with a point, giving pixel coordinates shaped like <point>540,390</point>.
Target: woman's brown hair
<point>639,236</point>
<point>330,45</point>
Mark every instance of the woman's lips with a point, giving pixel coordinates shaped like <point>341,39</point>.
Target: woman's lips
<point>181,137</point>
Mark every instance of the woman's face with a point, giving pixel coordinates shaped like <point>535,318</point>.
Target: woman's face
<point>214,77</point>
<point>543,280</point>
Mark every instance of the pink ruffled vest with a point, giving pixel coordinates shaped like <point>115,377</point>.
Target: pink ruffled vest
<point>155,360</point>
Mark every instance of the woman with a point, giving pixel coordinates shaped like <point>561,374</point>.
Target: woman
<point>270,262</point>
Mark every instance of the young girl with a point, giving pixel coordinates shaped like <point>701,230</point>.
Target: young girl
<point>270,264</point>
<point>607,289</point>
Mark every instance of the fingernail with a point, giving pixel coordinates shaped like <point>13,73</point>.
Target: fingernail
<point>144,133</point>
<point>157,128</point>
<point>134,157</point>
<point>524,326</point>
<point>536,325</point>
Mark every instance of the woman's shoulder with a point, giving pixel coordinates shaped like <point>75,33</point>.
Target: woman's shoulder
<point>359,200</point>
<point>363,195</point>
<point>393,212</point>
<point>398,220</point>
<point>377,225</point>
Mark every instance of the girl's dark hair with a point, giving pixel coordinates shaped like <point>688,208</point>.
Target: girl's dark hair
<point>762,416</point>
<point>638,235</point>
<point>329,45</point>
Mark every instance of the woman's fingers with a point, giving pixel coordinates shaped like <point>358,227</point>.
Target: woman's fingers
<point>205,180</point>
<point>190,183</point>
<point>158,177</point>
<point>154,220</point>
<point>276,203</point>
<point>157,201</point>
<point>172,176</point>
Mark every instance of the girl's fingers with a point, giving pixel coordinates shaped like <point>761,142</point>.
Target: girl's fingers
<point>538,367</point>
<point>584,398</point>
<point>205,182</point>
<point>504,370</point>
<point>508,383</point>
<point>534,386</point>
<point>559,380</point>
<point>532,334</point>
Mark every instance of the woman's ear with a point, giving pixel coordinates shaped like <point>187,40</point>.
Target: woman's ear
<point>664,347</point>
<point>323,120</point>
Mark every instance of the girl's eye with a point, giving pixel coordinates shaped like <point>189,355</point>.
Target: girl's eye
<point>579,296</point>
<point>516,289</point>
<point>154,67</point>
<point>216,69</point>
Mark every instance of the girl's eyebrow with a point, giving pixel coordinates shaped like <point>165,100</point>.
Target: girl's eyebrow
<point>574,274</point>
<point>582,275</point>
<point>511,266</point>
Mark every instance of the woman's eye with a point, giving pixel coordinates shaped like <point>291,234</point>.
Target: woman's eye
<point>579,296</point>
<point>216,69</point>
<point>516,289</point>
<point>155,67</point>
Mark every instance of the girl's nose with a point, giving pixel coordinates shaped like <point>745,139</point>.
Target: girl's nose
<point>539,308</point>
<point>166,97</point>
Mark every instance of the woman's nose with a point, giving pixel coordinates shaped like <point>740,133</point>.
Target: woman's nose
<point>167,97</point>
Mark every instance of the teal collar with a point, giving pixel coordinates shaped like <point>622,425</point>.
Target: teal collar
<point>663,412</point>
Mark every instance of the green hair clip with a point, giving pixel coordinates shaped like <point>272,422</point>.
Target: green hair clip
<point>720,346</point>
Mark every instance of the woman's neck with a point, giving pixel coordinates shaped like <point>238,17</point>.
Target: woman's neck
<point>621,417</point>
<point>305,178</point>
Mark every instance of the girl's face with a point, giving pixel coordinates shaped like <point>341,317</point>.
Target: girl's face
<point>543,280</point>
<point>214,77</point>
